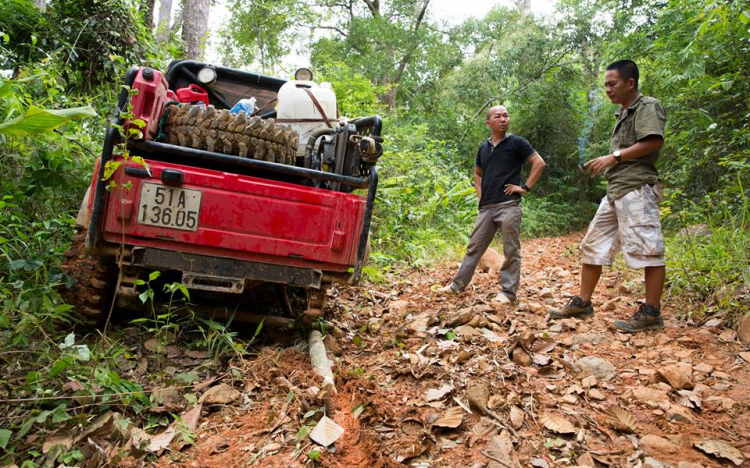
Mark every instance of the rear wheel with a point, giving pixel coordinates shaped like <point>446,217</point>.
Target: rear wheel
<point>92,282</point>
<point>236,134</point>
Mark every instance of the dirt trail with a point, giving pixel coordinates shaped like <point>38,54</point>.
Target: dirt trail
<point>408,356</point>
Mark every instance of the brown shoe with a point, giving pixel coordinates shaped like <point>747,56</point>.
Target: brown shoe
<point>645,318</point>
<point>576,308</point>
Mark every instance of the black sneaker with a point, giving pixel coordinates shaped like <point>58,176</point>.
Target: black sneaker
<point>576,308</point>
<point>645,318</point>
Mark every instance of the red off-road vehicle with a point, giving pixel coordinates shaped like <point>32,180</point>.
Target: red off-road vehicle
<point>251,210</point>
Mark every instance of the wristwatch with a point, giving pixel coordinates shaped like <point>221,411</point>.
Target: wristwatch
<point>618,155</point>
<point>526,188</point>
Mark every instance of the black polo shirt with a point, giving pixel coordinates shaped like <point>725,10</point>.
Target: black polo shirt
<point>500,166</point>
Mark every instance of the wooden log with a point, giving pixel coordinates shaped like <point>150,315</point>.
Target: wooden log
<point>319,359</point>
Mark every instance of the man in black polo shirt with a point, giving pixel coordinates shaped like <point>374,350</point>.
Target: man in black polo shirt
<point>497,179</point>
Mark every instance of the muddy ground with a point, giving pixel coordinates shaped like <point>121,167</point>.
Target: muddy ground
<point>424,380</point>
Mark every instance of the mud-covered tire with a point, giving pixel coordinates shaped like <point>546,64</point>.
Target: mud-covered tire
<point>92,283</point>
<point>235,134</point>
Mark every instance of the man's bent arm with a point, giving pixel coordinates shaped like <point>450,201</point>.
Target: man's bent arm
<point>643,147</point>
<point>537,167</point>
<point>478,181</point>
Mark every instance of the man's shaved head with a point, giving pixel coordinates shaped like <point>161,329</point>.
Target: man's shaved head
<point>494,109</point>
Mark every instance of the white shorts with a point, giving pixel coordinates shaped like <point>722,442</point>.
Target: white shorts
<point>630,224</point>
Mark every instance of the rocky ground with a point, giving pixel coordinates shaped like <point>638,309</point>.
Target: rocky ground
<point>424,380</point>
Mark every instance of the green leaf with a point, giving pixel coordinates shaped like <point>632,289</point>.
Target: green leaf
<point>745,17</point>
<point>37,120</point>
<point>70,340</point>
<point>357,341</point>
<point>153,275</point>
<point>60,414</point>
<point>4,438</point>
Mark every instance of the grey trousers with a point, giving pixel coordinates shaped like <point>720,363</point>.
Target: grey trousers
<point>507,218</point>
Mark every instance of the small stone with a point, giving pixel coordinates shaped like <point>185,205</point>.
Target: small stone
<point>722,375</point>
<point>650,394</point>
<point>676,377</point>
<point>654,444</point>
<point>608,306</point>
<point>593,338</point>
<point>680,414</point>
<point>728,336</point>
<point>592,365</point>
<point>272,447</point>
<point>545,293</point>
<point>719,404</point>
<point>653,463</point>
<point>596,395</point>
<point>536,307</point>
<point>465,330</point>
<point>521,357</point>
<point>664,387</point>
<point>700,388</point>
<point>589,381</point>
<point>421,322</point>
<point>402,308</point>
<point>743,330</point>
<point>375,324</point>
<point>570,399</point>
<point>640,343</point>
<point>703,367</point>
<point>643,371</point>
<point>332,346</point>
<point>684,464</point>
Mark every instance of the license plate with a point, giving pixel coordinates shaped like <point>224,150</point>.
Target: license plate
<point>169,207</point>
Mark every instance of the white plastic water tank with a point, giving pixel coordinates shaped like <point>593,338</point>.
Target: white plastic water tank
<point>296,108</point>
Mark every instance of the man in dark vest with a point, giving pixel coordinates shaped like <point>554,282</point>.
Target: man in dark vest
<point>628,216</point>
<point>497,179</point>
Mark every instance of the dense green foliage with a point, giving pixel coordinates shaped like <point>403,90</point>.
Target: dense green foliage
<point>433,82</point>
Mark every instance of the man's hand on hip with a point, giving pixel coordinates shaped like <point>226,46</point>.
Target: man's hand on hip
<point>596,166</point>
<point>510,189</point>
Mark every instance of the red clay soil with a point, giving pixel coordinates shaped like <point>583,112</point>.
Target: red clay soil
<point>409,356</point>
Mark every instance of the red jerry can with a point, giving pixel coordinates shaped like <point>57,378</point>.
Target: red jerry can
<point>193,94</point>
<point>149,101</point>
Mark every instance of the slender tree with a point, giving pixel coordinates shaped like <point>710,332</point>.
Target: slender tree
<point>195,27</point>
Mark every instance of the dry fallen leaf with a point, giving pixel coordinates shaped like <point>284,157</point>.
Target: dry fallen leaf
<point>516,417</point>
<point>434,394</point>
<point>483,428</point>
<point>557,423</point>
<point>621,420</point>
<point>690,399</point>
<point>452,418</point>
<point>745,356</point>
<point>161,441</point>
<point>543,345</point>
<point>221,394</point>
<point>326,432</point>
<point>500,450</point>
<point>720,449</point>
<point>64,439</point>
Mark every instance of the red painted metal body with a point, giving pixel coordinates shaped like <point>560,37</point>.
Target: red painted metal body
<point>243,217</point>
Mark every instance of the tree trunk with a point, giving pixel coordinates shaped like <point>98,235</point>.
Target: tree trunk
<point>165,18</point>
<point>195,27</point>
<point>147,8</point>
